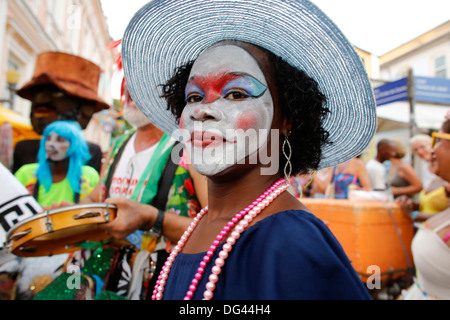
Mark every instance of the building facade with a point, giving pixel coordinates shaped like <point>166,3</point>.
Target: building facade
<point>30,27</point>
<point>427,55</point>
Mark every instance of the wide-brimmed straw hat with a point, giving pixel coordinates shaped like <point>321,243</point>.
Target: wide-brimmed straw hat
<point>71,74</point>
<point>165,34</point>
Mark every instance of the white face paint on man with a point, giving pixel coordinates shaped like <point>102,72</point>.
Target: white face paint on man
<point>56,147</point>
<point>228,103</point>
<point>132,114</point>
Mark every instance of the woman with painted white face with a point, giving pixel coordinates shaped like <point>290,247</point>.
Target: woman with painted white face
<point>227,100</point>
<point>231,88</point>
<point>61,176</point>
<point>252,111</point>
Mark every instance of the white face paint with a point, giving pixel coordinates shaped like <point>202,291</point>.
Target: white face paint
<point>56,147</point>
<point>132,114</point>
<point>228,103</point>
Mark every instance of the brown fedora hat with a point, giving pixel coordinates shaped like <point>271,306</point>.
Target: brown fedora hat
<point>71,74</point>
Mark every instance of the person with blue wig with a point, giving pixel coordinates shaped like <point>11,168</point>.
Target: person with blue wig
<point>61,174</point>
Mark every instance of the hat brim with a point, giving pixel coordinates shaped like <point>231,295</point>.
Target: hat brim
<point>71,88</point>
<point>165,34</point>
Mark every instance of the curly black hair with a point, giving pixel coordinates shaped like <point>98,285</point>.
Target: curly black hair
<point>301,103</point>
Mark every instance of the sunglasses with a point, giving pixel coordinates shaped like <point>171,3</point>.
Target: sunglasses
<point>436,138</point>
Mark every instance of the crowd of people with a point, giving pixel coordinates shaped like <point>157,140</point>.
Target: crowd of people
<point>390,172</point>
<point>190,223</point>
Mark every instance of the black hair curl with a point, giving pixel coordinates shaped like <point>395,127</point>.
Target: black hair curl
<point>301,103</point>
<point>304,106</point>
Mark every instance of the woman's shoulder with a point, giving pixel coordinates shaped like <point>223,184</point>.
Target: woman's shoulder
<point>402,166</point>
<point>89,170</point>
<point>29,166</point>
<point>26,174</point>
<point>298,240</point>
<point>298,227</point>
<point>27,169</point>
<point>439,219</point>
<point>299,232</point>
<point>357,164</point>
<point>296,216</point>
<point>90,173</point>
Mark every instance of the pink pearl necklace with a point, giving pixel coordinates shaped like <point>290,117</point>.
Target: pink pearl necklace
<point>239,222</point>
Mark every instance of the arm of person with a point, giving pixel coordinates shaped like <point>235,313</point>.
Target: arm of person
<point>407,172</point>
<point>363,176</point>
<point>322,182</point>
<point>409,206</point>
<point>132,215</point>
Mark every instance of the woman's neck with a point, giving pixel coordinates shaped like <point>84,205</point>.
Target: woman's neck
<point>230,194</point>
<point>59,170</point>
<point>146,137</point>
<point>226,197</point>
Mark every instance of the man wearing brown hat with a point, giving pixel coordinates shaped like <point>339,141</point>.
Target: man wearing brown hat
<point>63,87</point>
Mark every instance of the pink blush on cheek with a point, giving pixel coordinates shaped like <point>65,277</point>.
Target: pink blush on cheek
<point>181,122</point>
<point>247,120</point>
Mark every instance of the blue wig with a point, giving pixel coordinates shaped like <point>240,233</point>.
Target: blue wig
<point>78,154</point>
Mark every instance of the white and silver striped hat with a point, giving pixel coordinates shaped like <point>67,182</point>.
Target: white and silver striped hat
<point>165,34</point>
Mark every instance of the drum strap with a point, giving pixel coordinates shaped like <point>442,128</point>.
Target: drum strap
<point>164,184</point>
<point>36,193</point>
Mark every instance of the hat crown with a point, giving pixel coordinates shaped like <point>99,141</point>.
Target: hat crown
<point>67,67</point>
<point>71,74</point>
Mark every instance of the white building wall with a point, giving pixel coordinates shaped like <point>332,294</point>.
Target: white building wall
<point>421,60</point>
<point>30,27</point>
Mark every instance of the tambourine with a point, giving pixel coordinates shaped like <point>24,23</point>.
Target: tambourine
<point>60,230</point>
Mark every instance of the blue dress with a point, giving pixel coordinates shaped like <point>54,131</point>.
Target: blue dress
<point>290,255</point>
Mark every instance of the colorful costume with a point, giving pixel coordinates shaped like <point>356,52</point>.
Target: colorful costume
<point>60,191</point>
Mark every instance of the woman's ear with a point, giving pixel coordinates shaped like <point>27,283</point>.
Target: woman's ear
<point>286,127</point>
